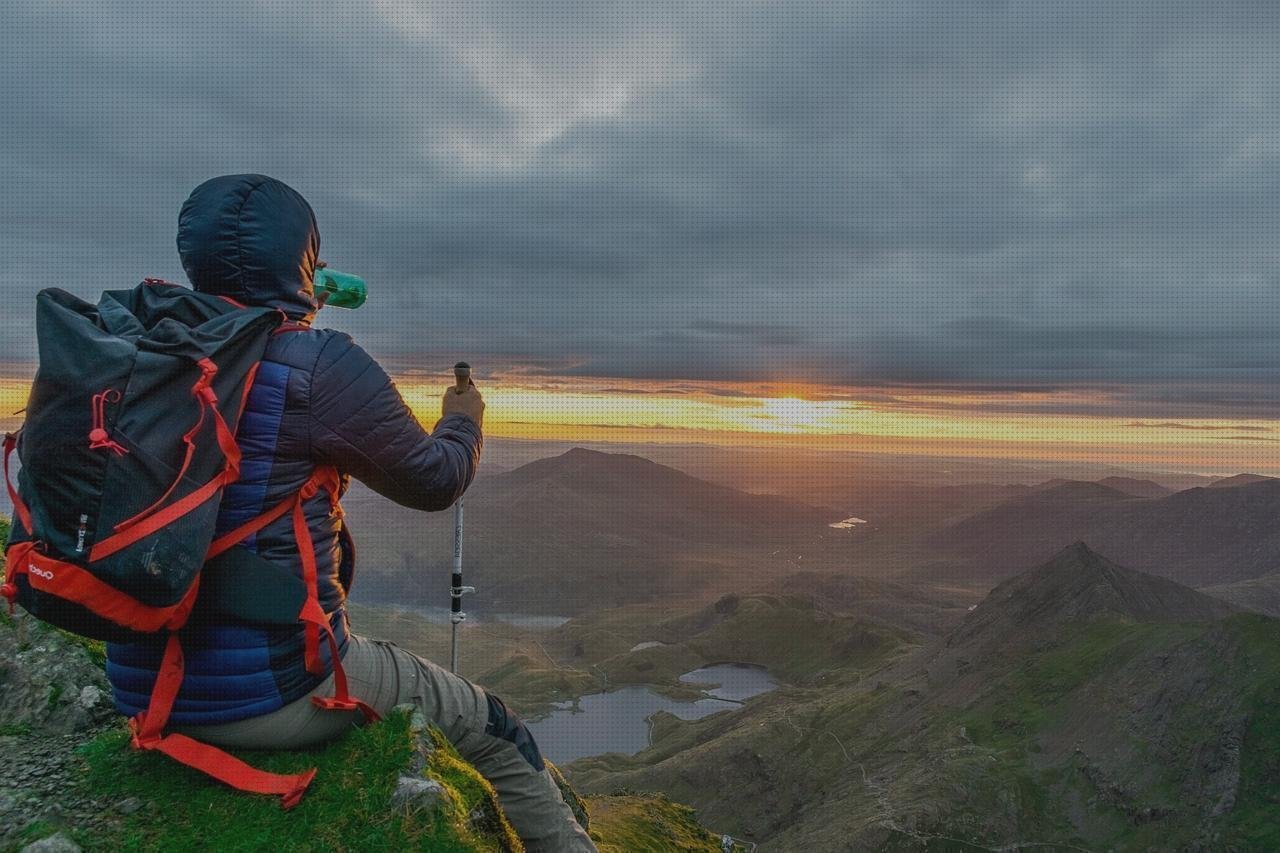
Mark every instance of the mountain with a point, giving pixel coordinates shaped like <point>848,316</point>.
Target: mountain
<point>632,496</point>
<point>1137,488</point>
<point>580,531</point>
<point>1200,536</point>
<point>1079,585</point>
<point>1081,705</point>
<point>1238,480</point>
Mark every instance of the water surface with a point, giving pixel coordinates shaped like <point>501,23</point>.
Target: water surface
<point>618,721</point>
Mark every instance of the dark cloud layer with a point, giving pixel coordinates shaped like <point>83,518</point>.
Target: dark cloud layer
<point>951,193</point>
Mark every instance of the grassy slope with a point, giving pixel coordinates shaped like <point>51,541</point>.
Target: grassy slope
<point>348,805</point>
<point>886,769</point>
<point>627,823</point>
<point>1021,712</point>
<point>798,643</point>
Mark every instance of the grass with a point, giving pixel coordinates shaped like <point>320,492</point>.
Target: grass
<point>1031,699</point>
<point>347,807</point>
<point>632,823</point>
<point>1253,822</point>
<point>1026,700</point>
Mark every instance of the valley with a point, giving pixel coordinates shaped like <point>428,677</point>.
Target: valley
<point>959,672</point>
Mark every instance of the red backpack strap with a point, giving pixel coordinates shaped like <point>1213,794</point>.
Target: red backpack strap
<point>153,518</point>
<point>148,727</point>
<point>19,505</point>
<point>17,555</point>
<point>312,615</point>
<point>148,734</point>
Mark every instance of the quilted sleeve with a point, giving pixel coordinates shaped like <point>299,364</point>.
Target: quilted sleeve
<point>361,425</point>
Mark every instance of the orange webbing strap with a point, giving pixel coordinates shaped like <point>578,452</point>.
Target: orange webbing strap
<point>18,554</point>
<point>19,505</point>
<point>148,727</point>
<point>254,525</point>
<point>312,614</point>
<point>148,734</point>
<point>150,520</point>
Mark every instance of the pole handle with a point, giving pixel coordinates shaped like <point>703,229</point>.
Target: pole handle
<point>461,377</point>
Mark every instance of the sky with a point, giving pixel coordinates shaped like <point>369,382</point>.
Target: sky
<point>1020,227</point>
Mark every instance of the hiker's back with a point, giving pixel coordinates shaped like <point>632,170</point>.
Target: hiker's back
<point>256,651</point>
<point>318,402</point>
<point>237,668</point>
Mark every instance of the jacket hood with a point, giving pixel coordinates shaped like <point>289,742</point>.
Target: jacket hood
<point>253,239</point>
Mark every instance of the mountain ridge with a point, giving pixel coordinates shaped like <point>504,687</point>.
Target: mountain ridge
<point>1198,536</point>
<point>1122,720</point>
<point>571,533</point>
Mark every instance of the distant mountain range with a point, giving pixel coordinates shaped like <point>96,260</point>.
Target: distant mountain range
<point>566,534</point>
<point>1200,536</point>
<point>580,531</point>
<point>1081,705</point>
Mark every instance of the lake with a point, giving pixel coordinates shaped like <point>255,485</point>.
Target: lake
<point>618,721</point>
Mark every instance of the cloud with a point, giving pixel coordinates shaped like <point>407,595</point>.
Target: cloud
<point>1203,427</point>
<point>938,194</point>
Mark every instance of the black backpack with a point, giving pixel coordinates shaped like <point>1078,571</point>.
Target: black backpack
<point>128,443</point>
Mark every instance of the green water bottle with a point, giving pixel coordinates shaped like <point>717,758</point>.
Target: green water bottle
<point>345,290</point>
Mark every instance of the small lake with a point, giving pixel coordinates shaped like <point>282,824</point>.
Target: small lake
<point>618,721</point>
<point>848,523</point>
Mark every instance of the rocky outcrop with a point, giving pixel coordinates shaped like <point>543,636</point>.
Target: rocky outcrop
<point>53,697</point>
<point>50,682</point>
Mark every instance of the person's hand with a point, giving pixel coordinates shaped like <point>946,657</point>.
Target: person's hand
<point>468,402</point>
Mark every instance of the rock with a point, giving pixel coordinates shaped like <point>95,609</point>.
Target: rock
<point>418,724</point>
<point>129,806</point>
<point>420,730</point>
<point>571,798</point>
<point>52,684</point>
<point>416,793</point>
<point>90,696</point>
<point>58,843</point>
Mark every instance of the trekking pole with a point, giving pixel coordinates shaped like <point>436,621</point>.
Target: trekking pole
<point>462,375</point>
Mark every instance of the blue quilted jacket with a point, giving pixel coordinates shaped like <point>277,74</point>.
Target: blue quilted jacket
<point>318,399</point>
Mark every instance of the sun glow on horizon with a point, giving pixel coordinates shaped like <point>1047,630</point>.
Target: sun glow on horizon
<point>1013,424</point>
<point>640,411</point>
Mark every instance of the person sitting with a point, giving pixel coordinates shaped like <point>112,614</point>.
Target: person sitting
<point>318,400</point>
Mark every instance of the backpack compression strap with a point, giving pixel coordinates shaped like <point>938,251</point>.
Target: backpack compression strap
<point>148,727</point>
<point>148,734</point>
<point>18,554</point>
<point>153,518</point>
<point>312,615</point>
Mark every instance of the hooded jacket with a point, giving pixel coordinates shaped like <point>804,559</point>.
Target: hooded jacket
<point>317,399</point>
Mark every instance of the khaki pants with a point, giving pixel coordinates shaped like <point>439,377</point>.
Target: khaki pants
<point>385,676</point>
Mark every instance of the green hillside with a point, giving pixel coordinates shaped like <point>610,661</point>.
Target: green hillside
<point>350,806</point>
<point>1084,706</point>
<point>73,775</point>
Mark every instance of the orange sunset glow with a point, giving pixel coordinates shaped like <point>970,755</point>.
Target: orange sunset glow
<point>763,414</point>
